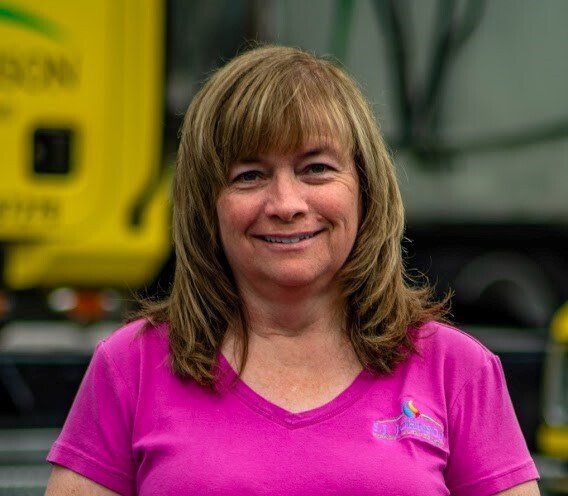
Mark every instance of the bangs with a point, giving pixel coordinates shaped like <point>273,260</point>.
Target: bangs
<point>283,109</point>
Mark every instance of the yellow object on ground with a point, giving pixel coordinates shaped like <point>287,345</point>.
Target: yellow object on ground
<point>552,436</point>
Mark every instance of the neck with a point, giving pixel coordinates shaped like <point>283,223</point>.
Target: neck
<point>298,331</point>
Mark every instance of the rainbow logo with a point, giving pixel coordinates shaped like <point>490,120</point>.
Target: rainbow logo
<point>410,423</point>
<point>409,409</point>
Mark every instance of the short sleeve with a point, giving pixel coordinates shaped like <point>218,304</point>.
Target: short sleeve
<point>488,452</point>
<point>96,438</point>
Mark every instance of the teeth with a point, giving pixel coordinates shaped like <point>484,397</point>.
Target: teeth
<point>273,239</point>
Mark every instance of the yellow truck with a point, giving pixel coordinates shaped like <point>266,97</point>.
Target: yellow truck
<point>83,190</point>
<point>553,433</point>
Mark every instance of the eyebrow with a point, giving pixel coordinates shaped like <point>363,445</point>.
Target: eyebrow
<point>319,151</point>
<point>312,152</point>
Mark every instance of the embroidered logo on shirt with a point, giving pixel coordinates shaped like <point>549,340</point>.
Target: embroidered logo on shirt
<point>410,423</point>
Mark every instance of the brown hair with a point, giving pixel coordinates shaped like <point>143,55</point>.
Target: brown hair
<point>276,98</point>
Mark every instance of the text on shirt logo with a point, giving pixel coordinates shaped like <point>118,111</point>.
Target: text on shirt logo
<point>410,423</point>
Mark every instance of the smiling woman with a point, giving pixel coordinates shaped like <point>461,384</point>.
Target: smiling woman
<point>296,225</point>
<point>294,355</point>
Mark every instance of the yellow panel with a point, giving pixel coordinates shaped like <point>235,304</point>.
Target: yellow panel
<point>57,73</point>
<point>128,259</point>
<point>95,69</point>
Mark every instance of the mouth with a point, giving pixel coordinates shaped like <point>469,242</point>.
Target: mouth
<point>289,239</point>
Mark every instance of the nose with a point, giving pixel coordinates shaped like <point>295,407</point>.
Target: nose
<point>285,198</point>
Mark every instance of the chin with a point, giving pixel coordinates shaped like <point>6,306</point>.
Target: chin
<point>293,279</point>
<point>290,280</point>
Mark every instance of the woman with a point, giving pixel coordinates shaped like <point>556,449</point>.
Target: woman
<point>287,226</point>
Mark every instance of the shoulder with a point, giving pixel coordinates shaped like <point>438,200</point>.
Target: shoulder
<point>134,337</point>
<point>447,364</point>
<point>450,355</point>
<point>134,346</point>
<point>447,343</point>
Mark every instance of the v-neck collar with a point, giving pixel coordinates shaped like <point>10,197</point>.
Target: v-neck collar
<point>229,379</point>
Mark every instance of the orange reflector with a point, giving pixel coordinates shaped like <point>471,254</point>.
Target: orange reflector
<point>89,307</point>
<point>5,306</point>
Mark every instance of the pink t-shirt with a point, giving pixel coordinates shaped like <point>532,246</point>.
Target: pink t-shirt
<point>442,423</point>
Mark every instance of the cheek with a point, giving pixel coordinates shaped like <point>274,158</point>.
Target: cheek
<point>235,215</point>
<point>345,206</point>
<point>224,214</point>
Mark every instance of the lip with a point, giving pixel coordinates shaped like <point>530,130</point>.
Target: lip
<point>293,235</point>
<point>300,245</point>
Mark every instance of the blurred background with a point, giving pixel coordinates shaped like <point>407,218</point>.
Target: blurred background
<point>471,96</point>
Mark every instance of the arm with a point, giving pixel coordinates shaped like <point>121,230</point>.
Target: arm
<point>529,488</point>
<point>65,482</point>
<point>96,441</point>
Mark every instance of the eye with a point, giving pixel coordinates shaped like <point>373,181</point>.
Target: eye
<point>318,168</point>
<point>247,177</point>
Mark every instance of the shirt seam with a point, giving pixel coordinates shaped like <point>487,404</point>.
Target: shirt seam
<point>75,452</point>
<point>114,365</point>
<point>491,478</point>
<point>469,381</point>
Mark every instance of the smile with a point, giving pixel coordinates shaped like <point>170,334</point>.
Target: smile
<point>289,239</point>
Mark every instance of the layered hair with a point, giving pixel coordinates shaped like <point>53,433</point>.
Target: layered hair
<point>275,98</point>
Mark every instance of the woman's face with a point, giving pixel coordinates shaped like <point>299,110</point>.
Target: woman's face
<point>290,219</point>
